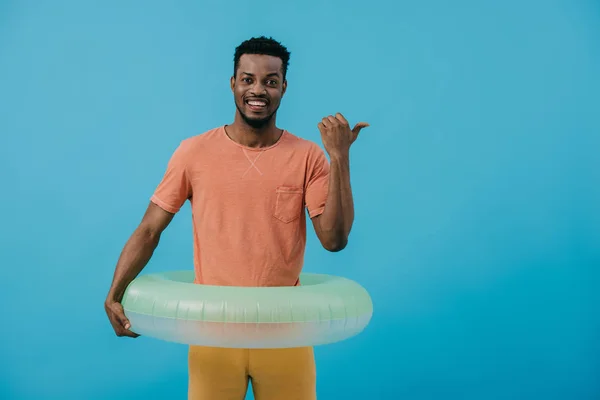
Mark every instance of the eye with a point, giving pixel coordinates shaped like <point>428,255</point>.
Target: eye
<point>272,82</point>
<point>246,80</point>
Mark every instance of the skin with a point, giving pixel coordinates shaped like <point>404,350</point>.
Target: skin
<point>257,77</point>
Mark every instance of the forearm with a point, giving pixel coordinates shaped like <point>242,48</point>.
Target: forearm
<point>135,255</point>
<point>338,216</point>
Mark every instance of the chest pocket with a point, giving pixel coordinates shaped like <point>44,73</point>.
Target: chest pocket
<point>289,203</point>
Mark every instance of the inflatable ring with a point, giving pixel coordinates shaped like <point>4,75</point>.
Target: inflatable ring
<point>169,306</point>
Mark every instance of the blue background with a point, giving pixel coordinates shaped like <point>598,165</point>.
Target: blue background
<point>477,186</point>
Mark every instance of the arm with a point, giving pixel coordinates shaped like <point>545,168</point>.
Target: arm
<point>171,193</point>
<point>135,255</point>
<point>334,224</point>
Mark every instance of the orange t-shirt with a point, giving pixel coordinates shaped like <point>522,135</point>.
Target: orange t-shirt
<point>247,205</point>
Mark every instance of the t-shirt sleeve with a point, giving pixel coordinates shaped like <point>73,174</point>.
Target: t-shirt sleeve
<point>317,183</point>
<point>174,188</point>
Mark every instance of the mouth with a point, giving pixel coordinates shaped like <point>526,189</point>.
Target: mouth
<point>257,105</point>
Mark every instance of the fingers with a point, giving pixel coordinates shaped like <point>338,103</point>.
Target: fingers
<point>321,126</point>
<point>128,333</point>
<point>120,314</point>
<point>341,118</point>
<point>119,321</point>
<point>120,331</point>
<point>331,121</point>
<point>328,122</point>
<point>123,330</point>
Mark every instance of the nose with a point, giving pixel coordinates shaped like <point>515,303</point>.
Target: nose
<point>258,89</point>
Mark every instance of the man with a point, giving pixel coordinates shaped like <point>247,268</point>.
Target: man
<point>248,184</point>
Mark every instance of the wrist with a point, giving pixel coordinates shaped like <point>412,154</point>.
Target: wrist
<point>114,297</point>
<point>339,155</point>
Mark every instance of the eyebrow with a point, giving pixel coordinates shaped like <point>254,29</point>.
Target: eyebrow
<point>271,74</point>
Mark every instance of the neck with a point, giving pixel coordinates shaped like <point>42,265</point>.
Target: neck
<point>250,136</point>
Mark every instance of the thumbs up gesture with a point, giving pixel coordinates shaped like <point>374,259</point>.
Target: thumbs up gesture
<point>337,136</point>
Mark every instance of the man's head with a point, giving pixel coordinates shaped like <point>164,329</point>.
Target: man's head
<point>259,79</point>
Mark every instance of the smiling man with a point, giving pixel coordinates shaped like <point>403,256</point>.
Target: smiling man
<point>249,184</point>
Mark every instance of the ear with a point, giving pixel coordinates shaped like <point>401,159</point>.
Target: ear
<point>284,87</point>
<point>232,83</point>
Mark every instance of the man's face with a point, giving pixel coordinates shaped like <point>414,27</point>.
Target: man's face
<point>258,88</point>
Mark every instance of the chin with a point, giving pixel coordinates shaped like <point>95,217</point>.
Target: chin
<point>256,122</point>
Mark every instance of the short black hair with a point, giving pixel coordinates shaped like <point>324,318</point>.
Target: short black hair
<point>265,46</point>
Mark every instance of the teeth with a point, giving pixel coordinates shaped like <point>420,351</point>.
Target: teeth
<point>257,103</point>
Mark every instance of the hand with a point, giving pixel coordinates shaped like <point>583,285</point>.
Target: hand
<point>118,320</point>
<point>336,134</point>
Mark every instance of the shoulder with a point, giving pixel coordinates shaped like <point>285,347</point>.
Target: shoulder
<point>311,148</point>
<point>200,139</point>
<point>191,145</point>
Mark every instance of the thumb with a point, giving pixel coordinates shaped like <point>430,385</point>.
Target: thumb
<point>358,127</point>
<point>120,313</point>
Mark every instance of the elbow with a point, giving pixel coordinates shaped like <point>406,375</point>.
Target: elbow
<point>148,235</point>
<point>336,244</point>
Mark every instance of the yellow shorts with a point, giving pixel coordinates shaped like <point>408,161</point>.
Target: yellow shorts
<point>276,374</point>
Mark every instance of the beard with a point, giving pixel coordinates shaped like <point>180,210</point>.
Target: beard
<point>256,123</point>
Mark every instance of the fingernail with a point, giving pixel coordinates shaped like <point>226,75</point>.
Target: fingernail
<point>127,326</point>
